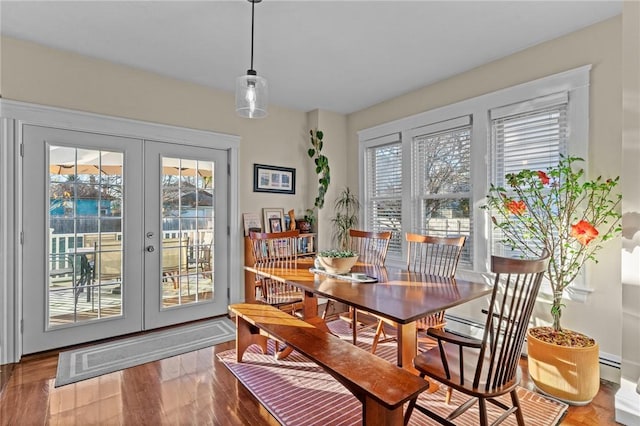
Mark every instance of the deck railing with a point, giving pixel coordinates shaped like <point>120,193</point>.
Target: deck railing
<point>60,244</point>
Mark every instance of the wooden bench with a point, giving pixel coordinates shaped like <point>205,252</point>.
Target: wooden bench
<point>380,386</point>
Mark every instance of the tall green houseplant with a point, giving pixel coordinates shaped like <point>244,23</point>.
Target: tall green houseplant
<point>346,207</point>
<point>560,211</point>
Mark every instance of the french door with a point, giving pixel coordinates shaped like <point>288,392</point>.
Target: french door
<point>185,234</point>
<point>120,235</point>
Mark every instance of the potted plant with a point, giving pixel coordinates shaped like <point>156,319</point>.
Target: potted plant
<point>337,261</point>
<point>306,223</point>
<point>322,166</point>
<point>346,207</point>
<point>558,210</point>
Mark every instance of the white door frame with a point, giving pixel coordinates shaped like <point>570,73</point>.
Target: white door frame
<point>14,116</point>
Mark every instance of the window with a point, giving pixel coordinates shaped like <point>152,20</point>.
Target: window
<point>430,172</point>
<point>531,135</point>
<point>384,191</point>
<point>441,166</point>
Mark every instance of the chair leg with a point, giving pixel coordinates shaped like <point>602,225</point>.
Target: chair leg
<point>516,403</point>
<point>354,325</point>
<point>482,412</point>
<point>376,338</point>
<point>447,398</point>
<point>326,309</point>
<point>410,407</point>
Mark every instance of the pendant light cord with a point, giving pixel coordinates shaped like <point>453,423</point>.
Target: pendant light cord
<point>253,5</point>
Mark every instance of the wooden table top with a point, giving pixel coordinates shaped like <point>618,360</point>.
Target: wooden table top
<point>399,295</point>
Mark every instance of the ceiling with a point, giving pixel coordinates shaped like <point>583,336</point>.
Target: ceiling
<point>341,56</point>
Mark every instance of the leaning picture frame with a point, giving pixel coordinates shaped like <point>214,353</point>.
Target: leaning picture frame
<point>275,224</point>
<point>269,213</point>
<point>251,222</point>
<point>281,180</point>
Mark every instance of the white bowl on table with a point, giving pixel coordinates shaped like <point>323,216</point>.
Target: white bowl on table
<point>337,265</point>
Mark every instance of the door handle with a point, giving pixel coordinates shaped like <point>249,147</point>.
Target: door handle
<point>151,249</point>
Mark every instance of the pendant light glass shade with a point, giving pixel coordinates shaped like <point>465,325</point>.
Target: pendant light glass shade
<point>251,96</point>
<point>251,90</point>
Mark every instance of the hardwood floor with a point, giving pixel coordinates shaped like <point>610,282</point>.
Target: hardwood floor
<point>190,389</point>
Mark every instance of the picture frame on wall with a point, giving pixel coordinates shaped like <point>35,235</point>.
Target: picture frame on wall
<point>272,213</point>
<point>280,180</point>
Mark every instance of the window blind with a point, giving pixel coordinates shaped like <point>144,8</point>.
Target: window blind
<point>527,140</point>
<point>441,182</point>
<point>384,191</point>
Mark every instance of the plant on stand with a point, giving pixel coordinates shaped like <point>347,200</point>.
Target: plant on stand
<point>557,210</point>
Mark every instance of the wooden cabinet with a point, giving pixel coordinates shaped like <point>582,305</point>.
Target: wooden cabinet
<point>306,247</point>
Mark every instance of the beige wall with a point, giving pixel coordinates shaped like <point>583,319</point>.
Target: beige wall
<point>334,127</point>
<point>599,45</point>
<point>37,74</point>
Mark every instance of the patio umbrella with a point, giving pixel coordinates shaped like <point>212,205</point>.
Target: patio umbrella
<point>84,169</point>
<point>76,161</point>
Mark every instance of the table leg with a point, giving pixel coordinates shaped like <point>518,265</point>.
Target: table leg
<point>309,305</point>
<point>407,345</point>
<point>408,349</point>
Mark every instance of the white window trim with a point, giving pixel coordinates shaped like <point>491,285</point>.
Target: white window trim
<point>574,82</point>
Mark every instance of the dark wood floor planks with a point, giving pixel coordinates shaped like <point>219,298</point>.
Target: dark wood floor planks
<point>193,388</point>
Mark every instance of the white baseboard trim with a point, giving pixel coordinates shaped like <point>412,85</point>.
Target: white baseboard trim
<point>627,403</point>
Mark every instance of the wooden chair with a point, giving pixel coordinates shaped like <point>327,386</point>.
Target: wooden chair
<point>488,367</point>
<point>371,246</point>
<point>429,255</point>
<point>372,249</point>
<point>277,250</point>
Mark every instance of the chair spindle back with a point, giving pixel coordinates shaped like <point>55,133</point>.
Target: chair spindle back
<point>515,289</point>
<point>371,246</point>
<point>434,255</point>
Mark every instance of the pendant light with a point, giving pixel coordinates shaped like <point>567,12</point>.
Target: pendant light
<point>251,89</point>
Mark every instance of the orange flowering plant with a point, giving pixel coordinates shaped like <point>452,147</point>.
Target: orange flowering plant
<point>557,210</point>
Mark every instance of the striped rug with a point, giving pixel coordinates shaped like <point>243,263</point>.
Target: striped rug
<point>299,393</point>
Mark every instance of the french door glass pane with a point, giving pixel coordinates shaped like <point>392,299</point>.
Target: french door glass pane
<point>187,188</point>
<point>85,193</point>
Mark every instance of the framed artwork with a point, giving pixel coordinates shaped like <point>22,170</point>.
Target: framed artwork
<point>251,223</point>
<point>281,180</point>
<point>272,213</point>
<point>275,224</point>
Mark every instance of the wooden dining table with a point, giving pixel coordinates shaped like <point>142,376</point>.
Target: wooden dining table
<point>398,295</point>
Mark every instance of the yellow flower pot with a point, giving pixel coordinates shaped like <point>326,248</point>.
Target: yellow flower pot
<point>571,374</point>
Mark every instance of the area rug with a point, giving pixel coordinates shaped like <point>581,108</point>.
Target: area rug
<point>96,360</point>
<point>299,393</point>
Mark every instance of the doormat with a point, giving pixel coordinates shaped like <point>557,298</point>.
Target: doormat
<point>96,360</point>
<point>297,392</point>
